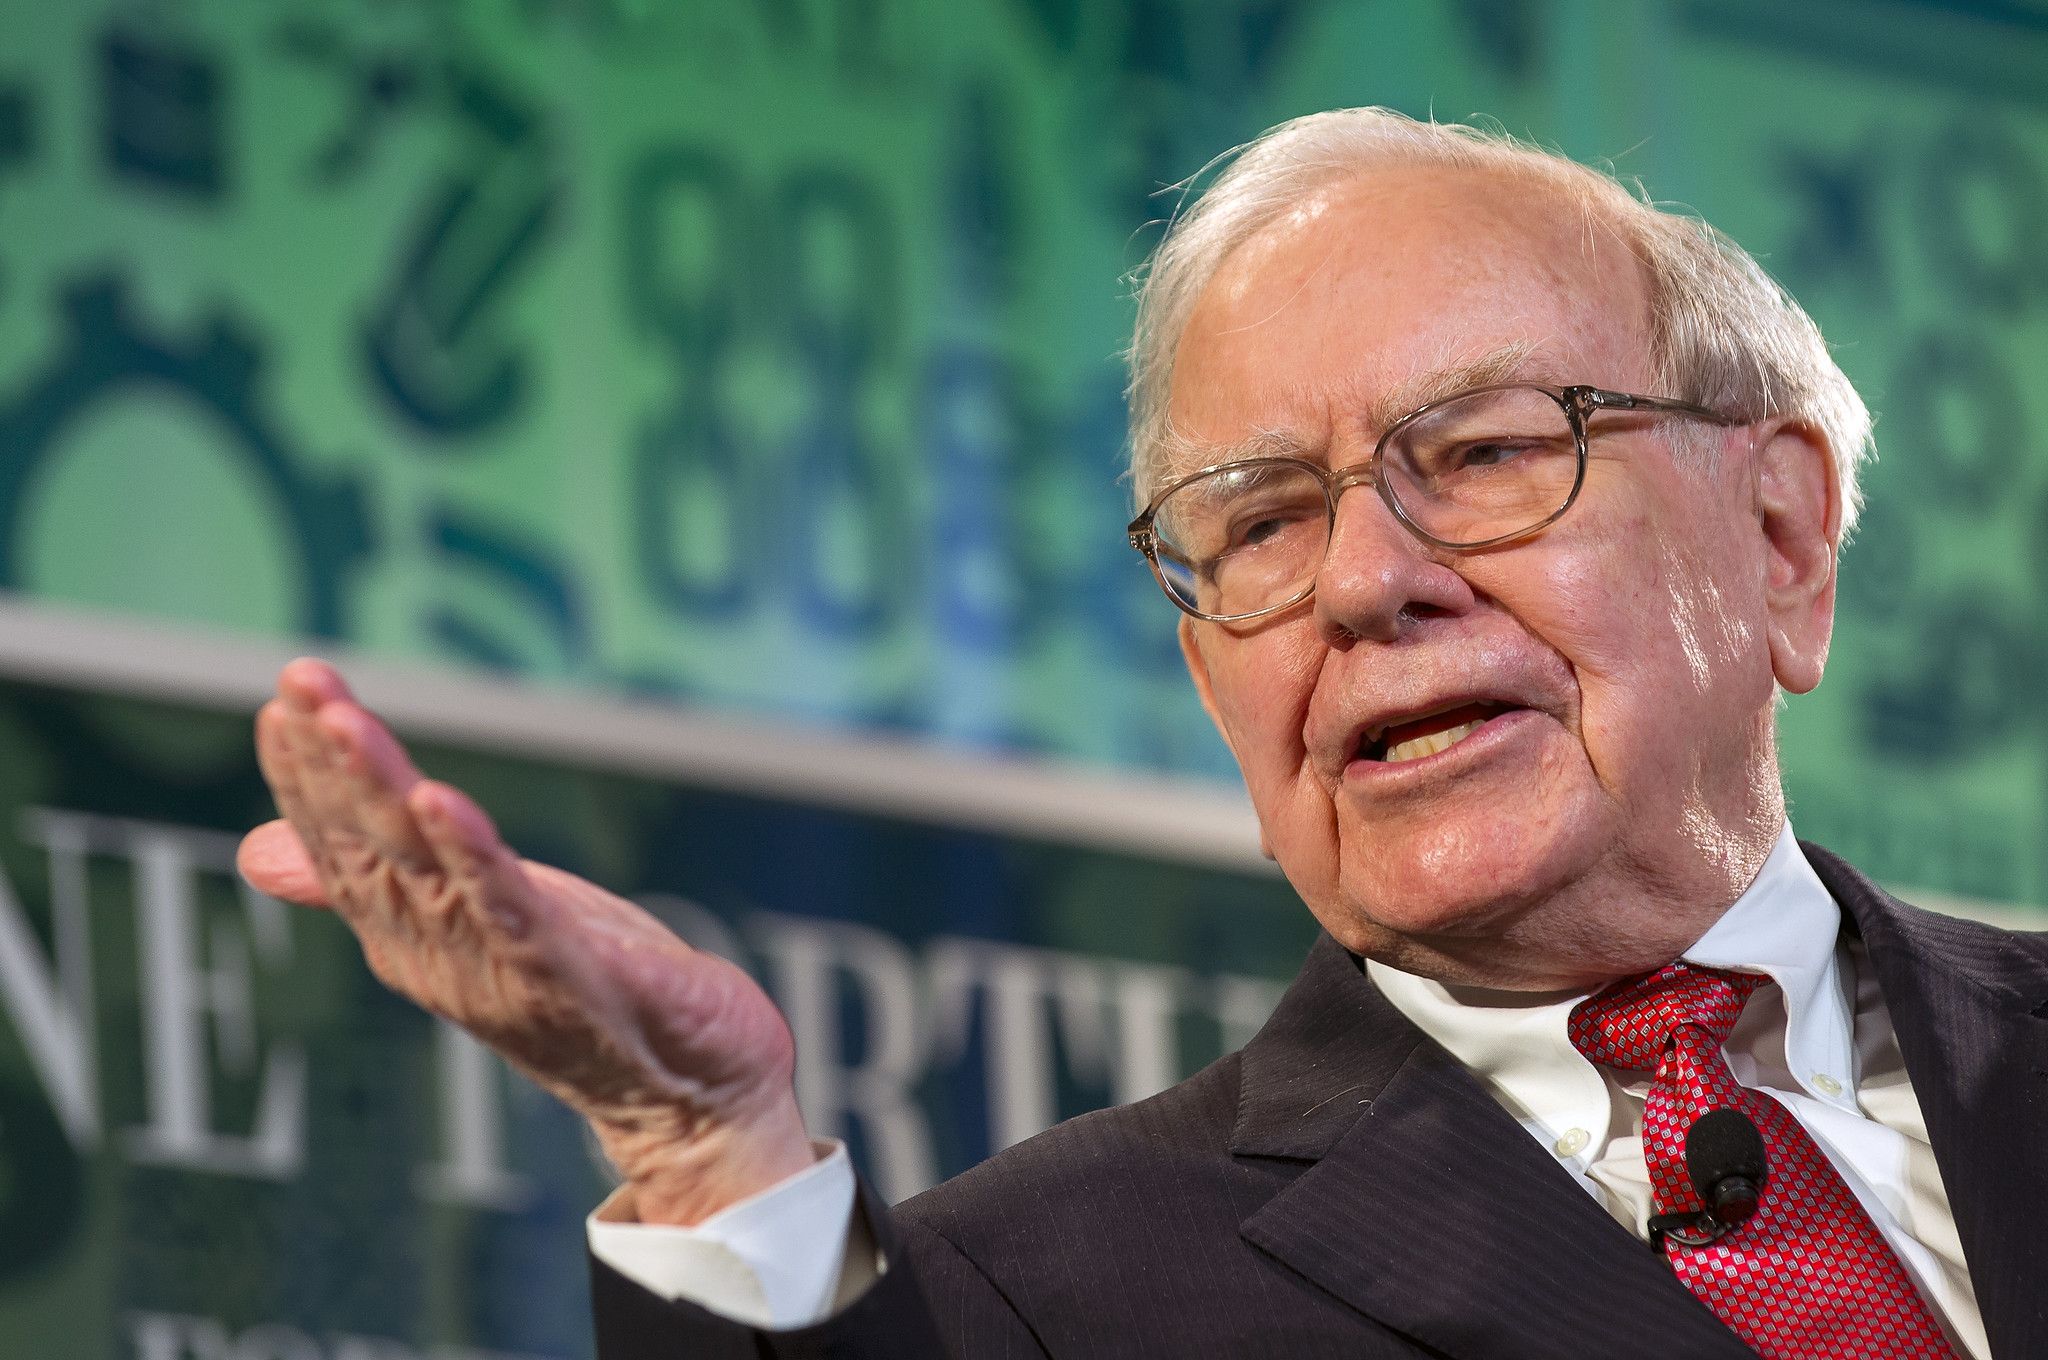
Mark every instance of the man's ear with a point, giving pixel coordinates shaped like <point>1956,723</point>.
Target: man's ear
<point>1799,510</point>
<point>1198,671</point>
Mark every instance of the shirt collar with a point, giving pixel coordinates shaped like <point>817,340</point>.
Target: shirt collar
<point>1784,925</point>
<point>1788,928</point>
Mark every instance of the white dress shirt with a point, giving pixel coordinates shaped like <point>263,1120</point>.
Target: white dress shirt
<point>1820,1040</point>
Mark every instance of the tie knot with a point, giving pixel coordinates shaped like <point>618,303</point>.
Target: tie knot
<point>1630,1024</point>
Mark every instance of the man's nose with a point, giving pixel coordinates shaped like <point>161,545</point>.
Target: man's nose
<point>1377,577</point>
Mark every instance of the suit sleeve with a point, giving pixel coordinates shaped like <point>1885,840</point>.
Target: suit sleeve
<point>931,1303</point>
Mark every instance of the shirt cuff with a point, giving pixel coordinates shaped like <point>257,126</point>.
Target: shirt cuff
<point>774,1260</point>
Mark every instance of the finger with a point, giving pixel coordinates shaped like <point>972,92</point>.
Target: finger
<point>276,758</point>
<point>372,775</point>
<point>275,861</point>
<point>308,682</point>
<point>476,860</point>
<point>283,763</point>
<point>304,687</point>
<point>322,807</point>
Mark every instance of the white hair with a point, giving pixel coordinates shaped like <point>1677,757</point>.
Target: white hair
<point>1723,334</point>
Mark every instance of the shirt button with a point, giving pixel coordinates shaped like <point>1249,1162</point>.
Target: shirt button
<point>1826,1084</point>
<point>1573,1143</point>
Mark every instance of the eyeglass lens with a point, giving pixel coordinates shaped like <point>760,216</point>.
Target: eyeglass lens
<point>1251,536</point>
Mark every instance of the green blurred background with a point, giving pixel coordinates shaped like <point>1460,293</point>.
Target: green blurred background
<point>760,358</point>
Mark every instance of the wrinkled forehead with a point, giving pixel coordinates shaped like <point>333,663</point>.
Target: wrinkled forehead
<point>1387,291</point>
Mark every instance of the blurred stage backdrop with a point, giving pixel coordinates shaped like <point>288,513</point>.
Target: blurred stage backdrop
<point>699,426</point>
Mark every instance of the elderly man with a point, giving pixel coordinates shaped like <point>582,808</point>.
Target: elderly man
<point>1499,507</point>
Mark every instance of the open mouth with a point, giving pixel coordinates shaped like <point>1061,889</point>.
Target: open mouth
<point>1430,734</point>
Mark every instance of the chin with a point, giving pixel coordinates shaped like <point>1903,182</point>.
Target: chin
<point>1471,879</point>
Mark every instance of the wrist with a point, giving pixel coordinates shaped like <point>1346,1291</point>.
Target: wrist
<point>682,1180</point>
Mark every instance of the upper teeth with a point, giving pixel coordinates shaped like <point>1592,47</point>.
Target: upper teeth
<point>1430,743</point>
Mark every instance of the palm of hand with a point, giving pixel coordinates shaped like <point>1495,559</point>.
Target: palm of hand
<point>678,1060</point>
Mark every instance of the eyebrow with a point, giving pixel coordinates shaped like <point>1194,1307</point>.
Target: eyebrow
<point>1509,363</point>
<point>1180,455</point>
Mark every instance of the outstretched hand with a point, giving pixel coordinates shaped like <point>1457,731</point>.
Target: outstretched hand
<point>680,1063</point>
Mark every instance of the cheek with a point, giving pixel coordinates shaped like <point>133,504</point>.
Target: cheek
<point>1697,617</point>
<point>1661,630</point>
<point>1718,626</point>
<point>1262,687</point>
<point>1604,594</point>
<point>1608,613</point>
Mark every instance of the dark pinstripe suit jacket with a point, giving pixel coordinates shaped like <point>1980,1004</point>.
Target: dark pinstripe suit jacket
<point>1341,1187</point>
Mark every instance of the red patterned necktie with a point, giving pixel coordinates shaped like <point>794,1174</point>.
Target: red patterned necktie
<point>1810,1275</point>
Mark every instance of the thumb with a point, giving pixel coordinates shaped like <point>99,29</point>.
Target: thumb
<point>274,860</point>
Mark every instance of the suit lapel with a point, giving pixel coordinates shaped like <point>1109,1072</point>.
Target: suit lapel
<point>1970,1007</point>
<point>1427,1207</point>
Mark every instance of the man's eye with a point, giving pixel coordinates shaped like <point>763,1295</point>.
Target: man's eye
<point>1264,526</point>
<point>1487,453</point>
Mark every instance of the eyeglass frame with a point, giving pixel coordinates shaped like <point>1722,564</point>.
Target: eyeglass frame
<point>1578,402</point>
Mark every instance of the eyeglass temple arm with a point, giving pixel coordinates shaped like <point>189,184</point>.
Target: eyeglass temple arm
<point>1590,399</point>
